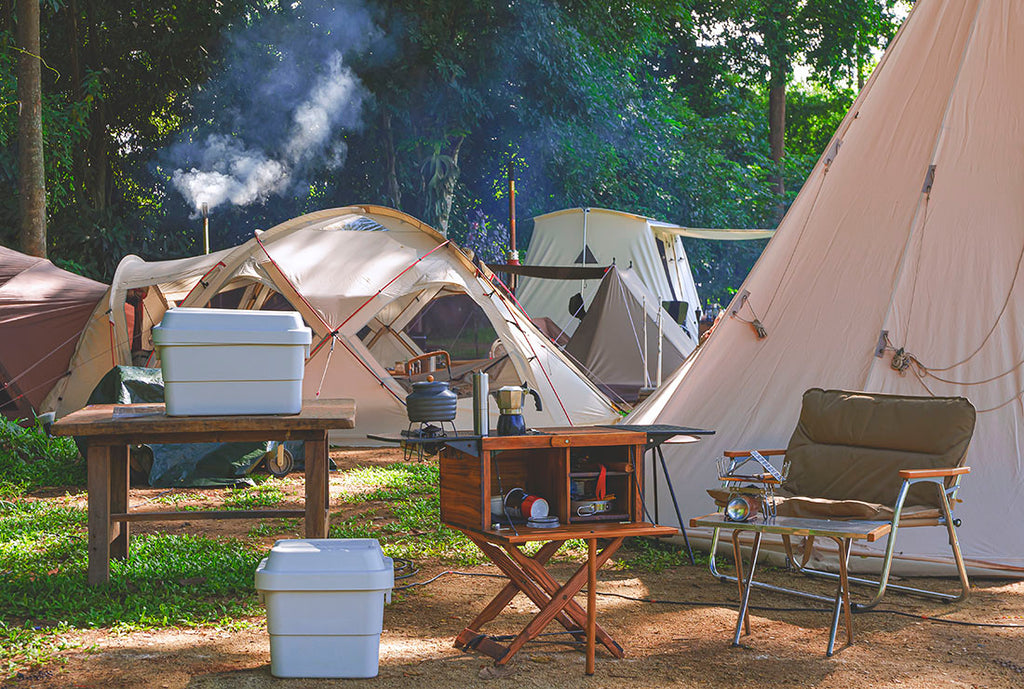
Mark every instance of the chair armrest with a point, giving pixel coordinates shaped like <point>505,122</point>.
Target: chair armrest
<point>746,453</point>
<point>933,473</point>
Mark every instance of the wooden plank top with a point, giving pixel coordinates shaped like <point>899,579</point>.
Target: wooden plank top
<point>569,531</point>
<point>797,526</point>
<point>129,419</point>
<point>579,436</point>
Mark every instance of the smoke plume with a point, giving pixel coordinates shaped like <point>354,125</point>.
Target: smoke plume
<point>280,108</point>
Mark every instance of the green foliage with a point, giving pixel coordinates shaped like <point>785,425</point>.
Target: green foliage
<point>30,459</point>
<point>653,107</point>
<point>65,130</point>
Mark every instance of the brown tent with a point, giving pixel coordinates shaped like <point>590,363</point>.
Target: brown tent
<point>43,310</point>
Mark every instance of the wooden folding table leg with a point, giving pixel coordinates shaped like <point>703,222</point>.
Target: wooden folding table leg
<point>505,596</point>
<point>120,531</point>
<point>591,603</point>
<point>574,610</point>
<point>522,580</point>
<point>98,486</point>
<point>317,488</point>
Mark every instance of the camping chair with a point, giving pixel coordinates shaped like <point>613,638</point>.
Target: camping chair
<point>865,457</point>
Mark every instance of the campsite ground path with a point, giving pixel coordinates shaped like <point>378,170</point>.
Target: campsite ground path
<point>667,645</point>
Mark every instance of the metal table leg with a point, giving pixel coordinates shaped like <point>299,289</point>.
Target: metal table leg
<point>745,599</point>
<point>675,503</point>
<point>842,602</point>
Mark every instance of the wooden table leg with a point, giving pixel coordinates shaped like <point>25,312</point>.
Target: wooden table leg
<point>571,607</point>
<point>317,488</point>
<point>98,486</point>
<point>591,603</point>
<point>119,482</point>
<point>523,580</point>
<point>505,596</point>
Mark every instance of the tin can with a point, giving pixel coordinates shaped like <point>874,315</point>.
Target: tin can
<point>521,505</point>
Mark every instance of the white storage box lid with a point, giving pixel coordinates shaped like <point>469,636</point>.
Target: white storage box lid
<point>326,564</point>
<point>186,326</point>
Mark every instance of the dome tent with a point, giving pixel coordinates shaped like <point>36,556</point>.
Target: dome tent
<point>356,275</point>
<point>43,311</point>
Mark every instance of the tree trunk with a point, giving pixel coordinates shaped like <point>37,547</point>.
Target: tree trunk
<point>31,174</point>
<point>97,159</point>
<point>777,131</point>
<point>394,191</point>
<point>449,189</point>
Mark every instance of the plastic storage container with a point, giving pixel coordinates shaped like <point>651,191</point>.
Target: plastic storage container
<point>325,606</point>
<point>227,361</point>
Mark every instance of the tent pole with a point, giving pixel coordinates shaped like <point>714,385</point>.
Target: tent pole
<point>643,357</point>
<point>660,335</point>
<point>513,253</point>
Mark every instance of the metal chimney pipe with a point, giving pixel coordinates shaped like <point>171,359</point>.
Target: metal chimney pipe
<point>513,253</point>
<point>206,228</point>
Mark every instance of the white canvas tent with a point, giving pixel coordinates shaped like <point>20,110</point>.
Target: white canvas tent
<point>598,236</point>
<point>361,272</point>
<point>907,238</point>
<point>622,324</point>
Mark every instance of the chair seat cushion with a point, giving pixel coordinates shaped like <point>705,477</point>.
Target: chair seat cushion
<point>824,508</point>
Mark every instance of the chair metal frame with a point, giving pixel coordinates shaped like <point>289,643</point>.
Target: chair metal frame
<point>910,477</point>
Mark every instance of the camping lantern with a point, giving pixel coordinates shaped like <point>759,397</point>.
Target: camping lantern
<point>741,508</point>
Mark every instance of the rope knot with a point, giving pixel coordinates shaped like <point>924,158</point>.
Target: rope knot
<point>900,361</point>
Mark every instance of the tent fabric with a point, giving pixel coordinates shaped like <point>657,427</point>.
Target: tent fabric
<point>341,279</point>
<point>896,270</point>
<point>43,310</point>
<point>565,237</point>
<point>609,342</point>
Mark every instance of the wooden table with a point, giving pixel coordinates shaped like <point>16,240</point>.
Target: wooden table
<point>842,532</point>
<point>109,429</point>
<point>555,601</point>
<point>545,463</point>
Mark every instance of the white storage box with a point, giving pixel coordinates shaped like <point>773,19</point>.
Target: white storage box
<point>227,361</point>
<point>325,606</point>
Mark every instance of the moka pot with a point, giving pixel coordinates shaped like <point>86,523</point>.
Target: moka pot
<point>510,406</point>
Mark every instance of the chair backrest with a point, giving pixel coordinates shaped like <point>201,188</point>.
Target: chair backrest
<point>852,445</point>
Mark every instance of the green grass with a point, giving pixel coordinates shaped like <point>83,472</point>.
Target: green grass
<point>409,524</point>
<point>30,459</point>
<point>194,581</point>
<point>266,494</point>
<point>168,581</point>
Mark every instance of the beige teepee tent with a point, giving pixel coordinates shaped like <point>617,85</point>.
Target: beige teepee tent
<point>897,269</point>
<point>359,273</point>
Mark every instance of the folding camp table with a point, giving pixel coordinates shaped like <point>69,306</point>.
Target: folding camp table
<point>109,429</point>
<point>545,463</point>
<point>842,532</point>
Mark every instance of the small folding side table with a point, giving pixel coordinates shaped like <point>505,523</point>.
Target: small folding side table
<point>545,463</point>
<point>842,532</point>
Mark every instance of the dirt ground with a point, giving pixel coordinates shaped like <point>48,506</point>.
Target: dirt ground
<point>666,644</point>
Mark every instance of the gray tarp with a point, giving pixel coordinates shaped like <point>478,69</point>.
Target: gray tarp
<point>180,464</point>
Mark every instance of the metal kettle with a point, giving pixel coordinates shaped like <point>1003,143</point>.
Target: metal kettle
<point>510,400</point>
